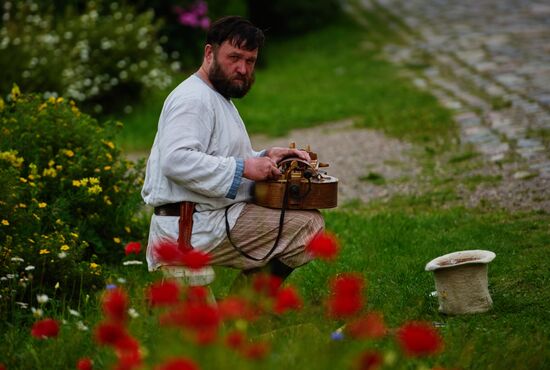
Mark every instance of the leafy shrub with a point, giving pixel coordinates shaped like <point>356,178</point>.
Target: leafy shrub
<point>289,17</point>
<point>68,195</point>
<point>103,58</point>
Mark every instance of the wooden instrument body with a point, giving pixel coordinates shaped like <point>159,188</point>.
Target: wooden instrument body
<point>302,194</point>
<point>302,185</point>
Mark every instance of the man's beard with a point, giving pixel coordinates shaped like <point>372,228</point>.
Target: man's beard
<point>225,86</point>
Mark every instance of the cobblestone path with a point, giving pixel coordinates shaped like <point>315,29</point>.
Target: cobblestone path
<point>489,61</point>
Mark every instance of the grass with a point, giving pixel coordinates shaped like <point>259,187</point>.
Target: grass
<point>320,77</point>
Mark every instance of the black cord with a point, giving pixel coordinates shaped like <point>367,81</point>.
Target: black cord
<point>281,223</point>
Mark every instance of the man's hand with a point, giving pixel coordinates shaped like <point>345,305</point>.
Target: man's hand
<point>260,168</point>
<point>277,154</point>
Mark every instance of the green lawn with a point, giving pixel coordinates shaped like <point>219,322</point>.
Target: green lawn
<point>323,76</point>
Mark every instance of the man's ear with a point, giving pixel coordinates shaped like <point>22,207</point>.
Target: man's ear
<point>208,53</point>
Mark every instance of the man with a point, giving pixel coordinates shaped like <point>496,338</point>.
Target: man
<point>202,154</point>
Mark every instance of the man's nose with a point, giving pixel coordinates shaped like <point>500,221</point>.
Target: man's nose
<point>241,67</point>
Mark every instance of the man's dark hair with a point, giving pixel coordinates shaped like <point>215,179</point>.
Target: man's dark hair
<point>240,32</point>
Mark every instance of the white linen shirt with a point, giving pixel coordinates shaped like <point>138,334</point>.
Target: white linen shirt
<point>198,156</point>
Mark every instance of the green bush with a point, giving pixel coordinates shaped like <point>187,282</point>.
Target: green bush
<point>69,200</point>
<point>103,58</point>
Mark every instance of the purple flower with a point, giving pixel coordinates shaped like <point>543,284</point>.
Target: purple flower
<point>110,286</point>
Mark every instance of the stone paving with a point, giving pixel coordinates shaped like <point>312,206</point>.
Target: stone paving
<point>488,61</point>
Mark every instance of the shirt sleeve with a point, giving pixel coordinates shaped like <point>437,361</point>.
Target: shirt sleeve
<point>184,138</point>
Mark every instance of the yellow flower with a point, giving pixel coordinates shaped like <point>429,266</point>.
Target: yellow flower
<point>59,100</point>
<point>107,200</point>
<point>68,152</point>
<point>22,179</point>
<point>22,205</point>
<point>59,222</point>
<point>74,235</point>
<point>107,168</point>
<point>128,230</point>
<point>49,172</point>
<point>94,181</point>
<point>51,100</point>
<point>94,266</point>
<point>65,247</point>
<point>109,156</point>
<point>116,189</point>
<point>116,240</point>
<point>51,163</point>
<point>2,104</point>
<point>42,205</point>
<point>109,144</point>
<point>77,183</point>
<point>15,92</point>
<point>11,157</point>
<point>5,222</point>
<point>96,189</point>
<point>44,251</point>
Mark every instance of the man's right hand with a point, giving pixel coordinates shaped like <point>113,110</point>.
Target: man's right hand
<point>260,168</point>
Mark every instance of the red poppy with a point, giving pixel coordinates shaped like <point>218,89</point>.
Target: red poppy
<point>115,304</point>
<point>369,360</point>
<point>205,337</point>
<point>346,298</point>
<point>46,328</point>
<point>232,308</point>
<point>2,367</point>
<point>110,333</point>
<point>287,299</point>
<point>195,259</point>
<point>163,293</point>
<point>324,246</point>
<point>266,284</point>
<point>128,360</point>
<point>235,339</point>
<point>369,326</point>
<point>85,364</point>
<point>167,252</point>
<point>200,317</point>
<point>256,351</point>
<point>132,247</point>
<point>419,339</point>
<point>196,294</point>
<point>178,364</point>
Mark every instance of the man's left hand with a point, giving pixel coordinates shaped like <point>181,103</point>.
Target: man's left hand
<point>277,154</point>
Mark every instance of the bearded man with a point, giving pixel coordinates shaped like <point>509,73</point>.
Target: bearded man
<point>202,155</point>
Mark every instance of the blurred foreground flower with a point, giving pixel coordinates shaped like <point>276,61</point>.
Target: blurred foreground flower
<point>324,246</point>
<point>47,328</point>
<point>369,360</point>
<point>84,364</point>
<point>115,304</point>
<point>287,299</point>
<point>346,297</point>
<point>163,293</point>
<point>132,247</point>
<point>170,254</point>
<point>419,339</point>
<point>178,364</point>
<point>369,326</point>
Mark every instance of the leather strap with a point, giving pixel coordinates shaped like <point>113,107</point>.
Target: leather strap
<point>185,212</point>
<point>185,225</point>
